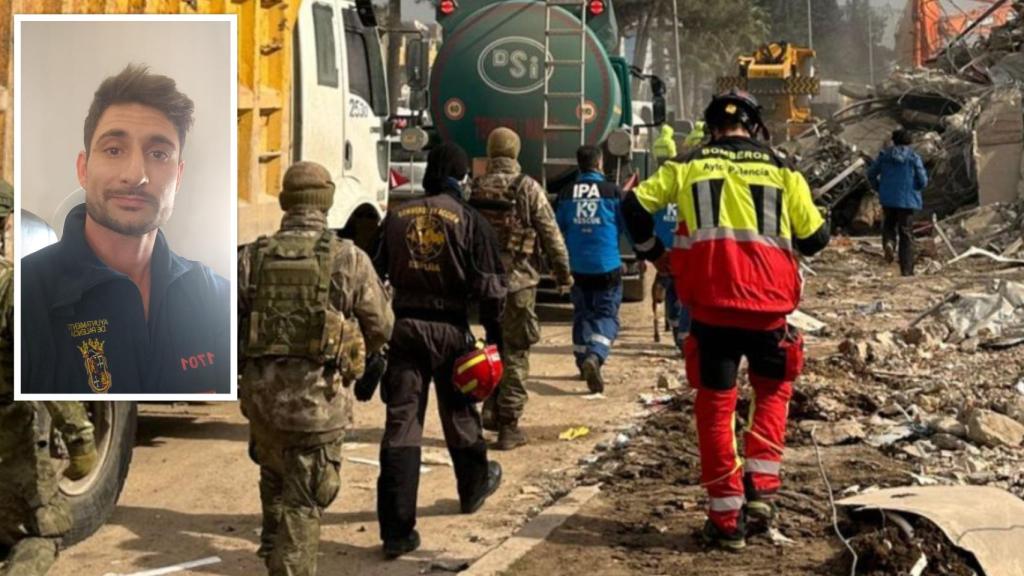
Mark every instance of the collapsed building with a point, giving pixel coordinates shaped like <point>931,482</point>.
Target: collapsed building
<point>965,114</point>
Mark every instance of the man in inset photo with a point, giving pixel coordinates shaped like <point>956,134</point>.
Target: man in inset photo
<point>110,308</point>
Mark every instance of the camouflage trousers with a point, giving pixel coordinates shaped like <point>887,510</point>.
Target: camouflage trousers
<point>297,483</point>
<point>520,329</point>
<point>33,513</point>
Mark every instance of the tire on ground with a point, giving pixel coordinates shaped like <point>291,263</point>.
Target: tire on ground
<point>93,498</point>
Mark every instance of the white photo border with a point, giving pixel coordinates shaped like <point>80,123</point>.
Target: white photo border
<point>232,19</point>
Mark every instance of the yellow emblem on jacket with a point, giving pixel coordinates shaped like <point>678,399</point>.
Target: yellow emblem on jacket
<point>96,367</point>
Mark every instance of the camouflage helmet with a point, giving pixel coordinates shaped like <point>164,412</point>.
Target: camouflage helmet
<point>6,199</point>
<point>307,184</point>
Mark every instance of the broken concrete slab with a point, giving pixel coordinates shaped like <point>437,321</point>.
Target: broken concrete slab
<point>982,520</point>
<point>992,429</point>
<point>834,433</point>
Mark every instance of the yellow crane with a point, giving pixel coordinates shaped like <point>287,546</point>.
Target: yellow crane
<point>781,76</point>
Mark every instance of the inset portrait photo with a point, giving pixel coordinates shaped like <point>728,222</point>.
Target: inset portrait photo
<point>125,207</point>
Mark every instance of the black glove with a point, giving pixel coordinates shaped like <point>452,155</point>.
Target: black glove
<point>376,364</point>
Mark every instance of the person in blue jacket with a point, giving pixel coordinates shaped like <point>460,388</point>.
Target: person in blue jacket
<point>899,176</point>
<point>590,219</point>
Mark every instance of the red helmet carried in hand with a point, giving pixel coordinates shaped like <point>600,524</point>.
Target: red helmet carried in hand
<point>477,372</point>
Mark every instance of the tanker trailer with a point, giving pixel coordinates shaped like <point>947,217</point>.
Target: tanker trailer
<point>544,69</point>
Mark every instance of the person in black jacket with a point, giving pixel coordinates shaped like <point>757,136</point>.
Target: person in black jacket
<point>439,254</point>
<point>110,308</point>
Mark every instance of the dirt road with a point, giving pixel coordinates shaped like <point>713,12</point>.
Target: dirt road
<point>191,492</point>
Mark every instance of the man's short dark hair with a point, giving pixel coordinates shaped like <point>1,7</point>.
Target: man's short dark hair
<point>588,157</point>
<point>136,85</point>
<point>902,137</point>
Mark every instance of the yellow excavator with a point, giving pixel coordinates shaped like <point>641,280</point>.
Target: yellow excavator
<point>781,76</point>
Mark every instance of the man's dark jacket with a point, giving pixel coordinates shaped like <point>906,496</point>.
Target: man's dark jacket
<point>83,328</point>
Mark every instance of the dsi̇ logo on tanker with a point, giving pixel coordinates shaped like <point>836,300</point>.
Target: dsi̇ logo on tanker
<point>513,65</point>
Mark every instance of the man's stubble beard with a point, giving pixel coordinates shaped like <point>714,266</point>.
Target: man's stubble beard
<point>99,213</point>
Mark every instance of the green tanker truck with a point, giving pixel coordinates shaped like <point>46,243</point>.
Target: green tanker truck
<point>545,69</point>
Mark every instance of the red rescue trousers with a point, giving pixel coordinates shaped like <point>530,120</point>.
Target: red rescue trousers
<point>775,358</point>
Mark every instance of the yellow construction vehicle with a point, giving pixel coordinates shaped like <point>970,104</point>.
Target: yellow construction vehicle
<point>781,76</point>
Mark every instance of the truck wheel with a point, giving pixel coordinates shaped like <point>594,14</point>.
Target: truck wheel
<point>635,289</point>
<point>92,499</point>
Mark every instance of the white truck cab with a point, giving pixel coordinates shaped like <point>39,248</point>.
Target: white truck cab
<point>340,103</point>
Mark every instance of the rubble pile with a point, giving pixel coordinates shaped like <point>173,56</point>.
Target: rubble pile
<point>929,393</point>
<point>996,58</point>
<point>997,228</point>
<point>949,110</point>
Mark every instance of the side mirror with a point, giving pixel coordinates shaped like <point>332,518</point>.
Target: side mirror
<point>416,63</point>
<point>416,70</point>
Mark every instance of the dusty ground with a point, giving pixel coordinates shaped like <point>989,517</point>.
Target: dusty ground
<point>646,519</point>
<point>191,491</point>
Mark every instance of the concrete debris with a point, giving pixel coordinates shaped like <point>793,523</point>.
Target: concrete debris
<point>964,112</point>
<point>667,381</point>
<point>981,520</point>
<point>993,429</point>
<point>806,323</point>
<point>890,436</point>
<point>944,441</point>
<point>948,425</point>
<point>834,433</point>
<point>986,316</point>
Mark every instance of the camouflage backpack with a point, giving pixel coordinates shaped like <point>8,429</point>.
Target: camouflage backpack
<point>292,314</point>
<point>505,207</point>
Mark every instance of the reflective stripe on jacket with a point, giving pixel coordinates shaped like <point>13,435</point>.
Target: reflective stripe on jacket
<point>740,210</point>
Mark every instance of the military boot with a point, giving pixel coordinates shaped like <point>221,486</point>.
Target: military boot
<point>510,436</point>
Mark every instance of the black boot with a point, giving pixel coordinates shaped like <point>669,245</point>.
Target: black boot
<point>471,469</point>
<point>401,546</point>
<point>489,487</point>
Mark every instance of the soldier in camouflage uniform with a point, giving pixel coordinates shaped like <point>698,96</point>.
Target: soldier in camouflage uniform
<point>517,207</point>
<point>33,513</point>
<point>310,307</point>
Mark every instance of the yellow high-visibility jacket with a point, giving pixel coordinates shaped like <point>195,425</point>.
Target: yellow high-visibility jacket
<point>742,211</point>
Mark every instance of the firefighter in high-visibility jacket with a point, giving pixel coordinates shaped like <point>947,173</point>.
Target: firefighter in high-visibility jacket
<point>743,216</point>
